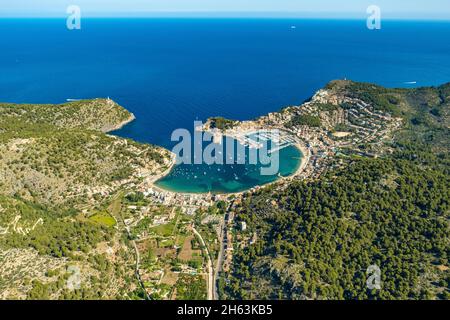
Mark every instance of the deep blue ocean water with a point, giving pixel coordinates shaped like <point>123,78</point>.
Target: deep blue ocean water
<point>170,72</point>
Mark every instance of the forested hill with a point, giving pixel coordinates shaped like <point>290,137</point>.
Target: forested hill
<point>53,154</point>
<point>316,239</point>
<point>96,114</point>
<point>59,174</point>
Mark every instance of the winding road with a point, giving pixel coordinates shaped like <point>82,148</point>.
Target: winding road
<point>211,283</point>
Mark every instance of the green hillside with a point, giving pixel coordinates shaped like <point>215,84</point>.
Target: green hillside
<point>321,236</point>
<point>58,171</point>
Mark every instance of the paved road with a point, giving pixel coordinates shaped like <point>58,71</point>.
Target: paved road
<point>211,284</point>
<point>116,210</point>
<point>138,259</point>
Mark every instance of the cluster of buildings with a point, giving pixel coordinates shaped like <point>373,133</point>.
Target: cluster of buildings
<point>348,125</point>
<point>362,125</point>
<point>369,126</point>
<point>189,202</point>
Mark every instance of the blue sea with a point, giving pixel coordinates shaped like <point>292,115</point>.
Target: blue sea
<point>170,72</point>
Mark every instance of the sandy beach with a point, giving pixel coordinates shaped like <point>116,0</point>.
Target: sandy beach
<point>305,158</point>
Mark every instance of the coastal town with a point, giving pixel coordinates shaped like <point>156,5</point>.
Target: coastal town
<point>183,243</point>
<point>351,126</point>
<point>347,126</point>
<point>224,158</point>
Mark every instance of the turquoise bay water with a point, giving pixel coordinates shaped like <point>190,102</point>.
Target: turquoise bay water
<point>230,178</point>
<point>227,178</point>
<point>170,72</point>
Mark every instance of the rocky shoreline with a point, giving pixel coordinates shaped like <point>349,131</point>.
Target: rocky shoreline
<point>121,124</point>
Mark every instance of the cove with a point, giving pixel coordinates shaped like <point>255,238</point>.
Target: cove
<point>228,178</point>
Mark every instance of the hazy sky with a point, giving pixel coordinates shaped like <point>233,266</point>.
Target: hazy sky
<point>415,9</point>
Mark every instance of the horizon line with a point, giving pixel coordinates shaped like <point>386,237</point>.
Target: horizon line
<point>236,14</point>
<point>417,19</point>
